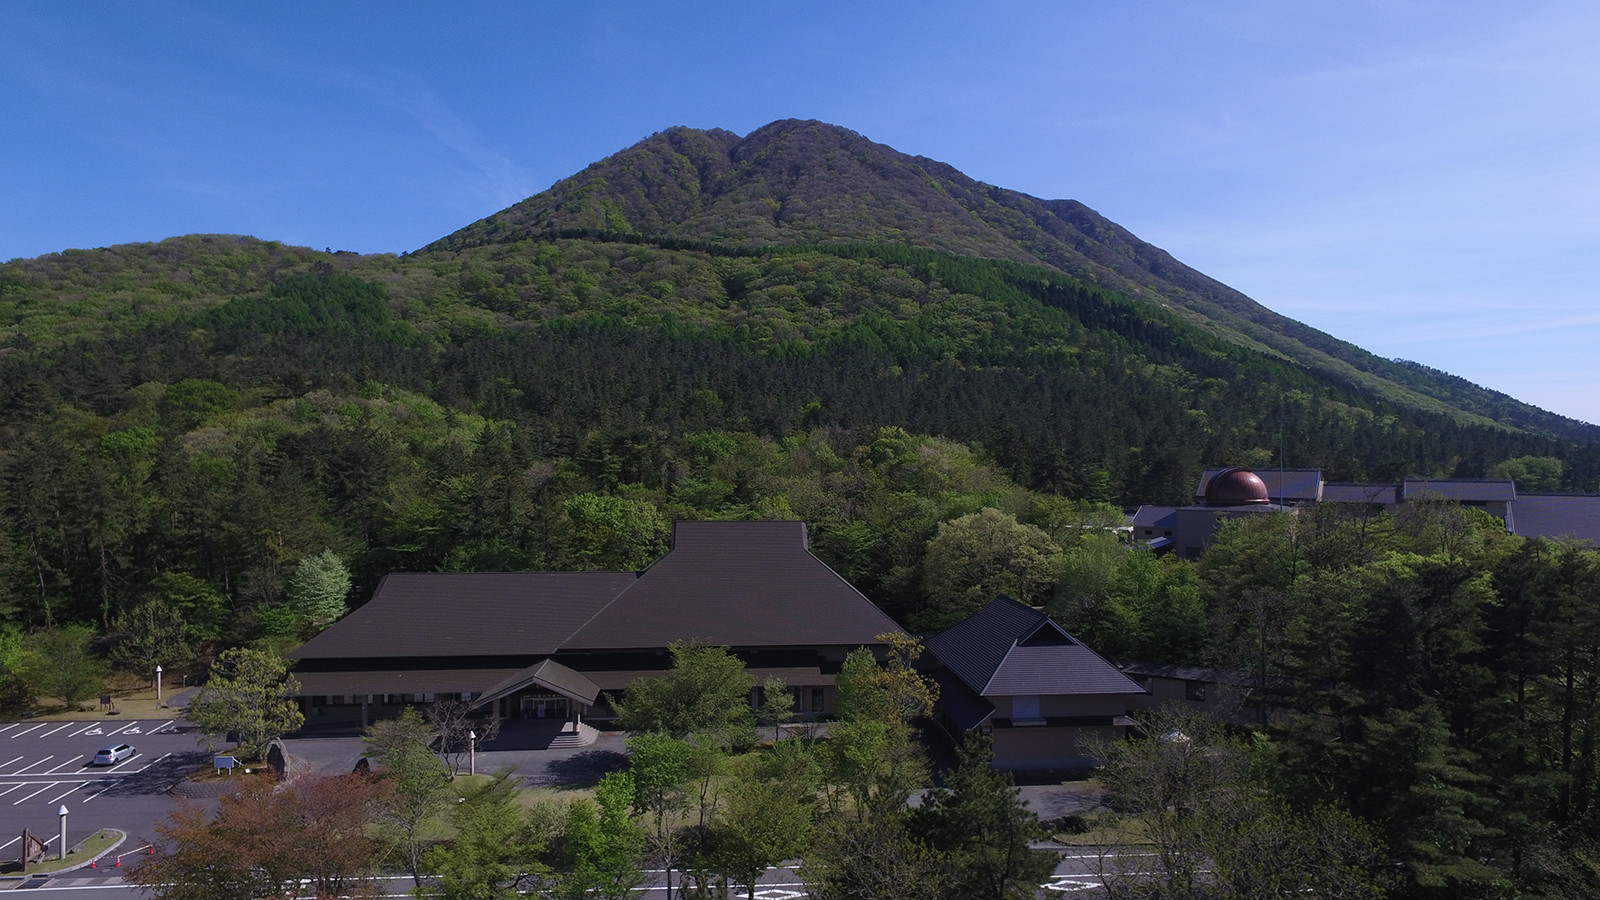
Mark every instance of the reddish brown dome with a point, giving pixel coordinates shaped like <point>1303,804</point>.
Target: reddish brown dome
<point>1236,486</point>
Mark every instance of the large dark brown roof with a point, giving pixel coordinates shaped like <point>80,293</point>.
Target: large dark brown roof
<point>736,584</point>
<point>416,614</point>
<point>1007,648</point>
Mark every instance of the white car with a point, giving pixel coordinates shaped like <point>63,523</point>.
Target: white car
<point>110,756</point>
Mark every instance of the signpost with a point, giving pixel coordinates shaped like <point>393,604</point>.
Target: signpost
<point>224,763</point>
<point>33,849</point>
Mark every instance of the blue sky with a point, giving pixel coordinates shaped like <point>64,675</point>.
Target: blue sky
<point>1422,179</point>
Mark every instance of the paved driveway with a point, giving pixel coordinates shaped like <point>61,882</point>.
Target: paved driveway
<point>574,768</point>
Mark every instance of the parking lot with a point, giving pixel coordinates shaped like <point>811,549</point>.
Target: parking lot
<point>47,765</point>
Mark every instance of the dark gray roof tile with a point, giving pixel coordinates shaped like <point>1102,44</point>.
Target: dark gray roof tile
<point>1465,490</point>
<point>1558,516</point>
<point>460,614</point>
<point>1008,648</point>
<point>736,584</point>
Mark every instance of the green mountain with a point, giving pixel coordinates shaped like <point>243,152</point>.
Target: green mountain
<point>798,323</point>
<point>807,183</point>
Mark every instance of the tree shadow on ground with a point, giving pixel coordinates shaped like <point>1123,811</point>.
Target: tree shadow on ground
<point>582,770</point>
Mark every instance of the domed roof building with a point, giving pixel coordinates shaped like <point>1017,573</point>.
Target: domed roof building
<point>1236,486</point>
<point>1223,493</point>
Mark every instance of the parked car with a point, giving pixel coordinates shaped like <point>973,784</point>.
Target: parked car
<point>110,756</point>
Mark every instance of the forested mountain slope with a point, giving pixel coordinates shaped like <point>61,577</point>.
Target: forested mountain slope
<point>805,182</point>
<point>218,408</point>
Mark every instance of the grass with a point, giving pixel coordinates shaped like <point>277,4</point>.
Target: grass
<point>85,850</point>
<point>132,697</point>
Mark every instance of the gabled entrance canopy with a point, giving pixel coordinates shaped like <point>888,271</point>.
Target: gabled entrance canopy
<point>547,674</point>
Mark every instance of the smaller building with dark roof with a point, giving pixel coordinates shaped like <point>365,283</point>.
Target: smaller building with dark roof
<point>1011,672</point>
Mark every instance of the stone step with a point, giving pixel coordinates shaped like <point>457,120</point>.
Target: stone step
<point>567,739</point>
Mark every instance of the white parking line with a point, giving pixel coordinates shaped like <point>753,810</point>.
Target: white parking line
<point>76,786</point>
<point>54,730</point>
<point>124,728</point>
<point>108,787</point>
<point>89,727</point>
<point>125,762</point>
<point>73,761</point>
<point>149,764</point>
<point>9,762</point>
<point>157,729</point>
<point>10,842</point>
<point>31,765</point>
<point>8,728</point>
<point>14,787</point>
<point>47,786</point>
<point>26,730</point>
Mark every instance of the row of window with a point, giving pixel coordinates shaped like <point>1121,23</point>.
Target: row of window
<point>388,699</point>
<point>758,696</point>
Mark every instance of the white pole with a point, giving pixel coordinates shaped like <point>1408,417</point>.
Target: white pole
<point>158,685</point>
<point>61,851</point>
<point>472,753</point>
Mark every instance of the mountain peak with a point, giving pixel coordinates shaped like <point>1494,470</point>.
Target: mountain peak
<point>804,182</point>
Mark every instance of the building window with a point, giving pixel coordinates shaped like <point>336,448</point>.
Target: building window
<point>1194,690</point>
<point>816,699</point>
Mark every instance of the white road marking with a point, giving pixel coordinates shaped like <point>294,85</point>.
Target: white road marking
<point>8,728</point>
<point>14,787</point>
<point>9,762</point>
<point>1069,884</point>
<point>134,729</point>
<point>125,762</point>
<point>10,842</point>
<point>60,767</point>
<point>124,728</point>
<point>47,786</point>
<point>102,790</point>
<point>26,730</point>
<point>31,765</point>
<point>150,763</point>
<point>84,730</point>
<point>158,728</point>
<point>54,730</point>
<point>76,786</point>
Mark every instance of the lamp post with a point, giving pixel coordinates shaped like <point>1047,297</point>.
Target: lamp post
<point>472,753</point>
<point>158,685</point>
<point>61,851</point>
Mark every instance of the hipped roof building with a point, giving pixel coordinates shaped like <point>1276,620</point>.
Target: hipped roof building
<point>547,644</point>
